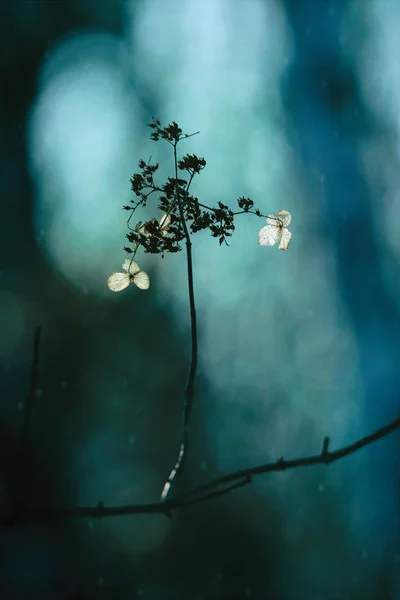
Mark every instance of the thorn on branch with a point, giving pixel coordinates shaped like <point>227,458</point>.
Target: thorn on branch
<point>281,464</point>
<point>325,450</point>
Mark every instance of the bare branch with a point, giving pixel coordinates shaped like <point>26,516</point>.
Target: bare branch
<point>28,406</point>
<point>324,457</point>
<point>212,489</point>
<point>188,135</point>
<point>23,447</point>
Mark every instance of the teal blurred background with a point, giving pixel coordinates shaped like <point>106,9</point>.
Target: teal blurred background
<point>298,106</point>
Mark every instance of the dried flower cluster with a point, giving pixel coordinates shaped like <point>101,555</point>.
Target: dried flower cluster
<point>183,212</point>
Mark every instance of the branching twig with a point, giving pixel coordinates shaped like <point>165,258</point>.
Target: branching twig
<point>189,391</point>
<point>212,489</point>
<point>325,457</point>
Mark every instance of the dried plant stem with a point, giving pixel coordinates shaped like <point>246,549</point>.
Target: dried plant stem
<point>189,391</point>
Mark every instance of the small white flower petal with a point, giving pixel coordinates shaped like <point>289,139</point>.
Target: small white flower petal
<point>268,235</point>
<point>273,219</point>
<point>118,281</point>
<point>286,237</point>
<point>285,217</point>
<point>130,266</point>
<point>142,280</point>
<point>164,223</point>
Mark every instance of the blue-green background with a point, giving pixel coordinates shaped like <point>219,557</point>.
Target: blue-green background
<point>298,105</point>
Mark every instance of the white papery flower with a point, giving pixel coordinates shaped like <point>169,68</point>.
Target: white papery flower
<point>132,274</point>
<point>276,230</point>
<point>163,225</point>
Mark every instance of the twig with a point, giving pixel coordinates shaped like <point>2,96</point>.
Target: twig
<point>189,391</point>
<point>211,489</point>
<point>188,135</point>
<point>23,447</point>
<point>240,212</point>
<point>384,585</point>
<point>325,457</point>
<point>189,499</point>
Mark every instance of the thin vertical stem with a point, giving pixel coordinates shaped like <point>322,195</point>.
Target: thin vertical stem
<point>25,429</point>
<point>189,390</point>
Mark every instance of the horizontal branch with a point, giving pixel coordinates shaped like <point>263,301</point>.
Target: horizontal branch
<point>324,457</point>
<point>216,487</point>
